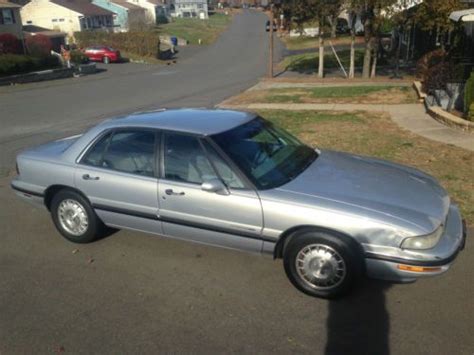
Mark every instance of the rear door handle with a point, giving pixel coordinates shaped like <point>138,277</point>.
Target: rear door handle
<point>88,177</point>
<point>172,193</point>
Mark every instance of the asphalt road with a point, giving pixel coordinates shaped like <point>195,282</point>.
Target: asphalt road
<point>135,293</point>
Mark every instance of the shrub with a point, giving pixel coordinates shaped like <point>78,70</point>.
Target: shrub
<point>469,94</point>
<point>11,64</point>
<point>77,57</point>
<point>434,70</point>
<point>470,115</point>
<point>38,45</point>
<point>10,44</point>
<point>141,43</point>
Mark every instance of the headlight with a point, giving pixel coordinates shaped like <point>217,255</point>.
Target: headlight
<point>423,241</point>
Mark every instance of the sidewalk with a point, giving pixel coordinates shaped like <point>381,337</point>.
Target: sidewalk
<point>409,116</point>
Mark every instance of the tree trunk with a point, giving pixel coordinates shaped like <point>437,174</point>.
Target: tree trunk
<point>352,60</point>
<point>321,55</point>
<point>367,59</point>
<point>333,28</point>
<point>373,72</point>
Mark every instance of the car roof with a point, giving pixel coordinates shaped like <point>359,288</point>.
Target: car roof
<point>195,121</point>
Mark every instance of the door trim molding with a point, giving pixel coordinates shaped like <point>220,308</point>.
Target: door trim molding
<point>181,222</point>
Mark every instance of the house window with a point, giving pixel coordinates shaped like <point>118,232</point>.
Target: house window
<point>29,22</point>
<point>54,20</point>
<point>7,17</point>
<point>61,20</point>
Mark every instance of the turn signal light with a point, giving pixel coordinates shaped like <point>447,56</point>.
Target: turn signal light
<point>417,268</point>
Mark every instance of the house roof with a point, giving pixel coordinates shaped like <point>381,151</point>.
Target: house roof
<point>126,5</point>
<point>155,2</point>
<point>6,4</point>
<point>35,30</point>
<point>463,15</point>
<point>84,7</point>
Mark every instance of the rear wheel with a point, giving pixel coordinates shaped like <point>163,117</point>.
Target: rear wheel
<point>74,218</point>
<point>106,60</point>
<point>323,264</point>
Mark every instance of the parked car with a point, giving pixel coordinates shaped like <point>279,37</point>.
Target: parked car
<point>103,54</point>
<point>275,26</point>
<point>235,180</point>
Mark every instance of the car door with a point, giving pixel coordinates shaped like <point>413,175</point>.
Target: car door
<point>231,218</point>
<point>118,175</point>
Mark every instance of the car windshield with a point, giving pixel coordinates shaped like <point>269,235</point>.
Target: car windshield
<point>268,155</point>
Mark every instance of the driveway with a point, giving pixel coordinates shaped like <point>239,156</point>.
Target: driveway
<point>135,293</point>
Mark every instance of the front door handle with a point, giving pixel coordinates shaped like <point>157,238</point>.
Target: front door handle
<point>172,193</point>
<point>88,177</point>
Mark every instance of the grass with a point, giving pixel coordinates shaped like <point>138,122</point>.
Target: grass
<point>310,61</point>
<point>194,29</point>
<point>296,43</point>
<point>362,94</point>
<point>376,135</point>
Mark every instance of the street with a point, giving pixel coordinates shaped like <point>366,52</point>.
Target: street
<point>136,293</point>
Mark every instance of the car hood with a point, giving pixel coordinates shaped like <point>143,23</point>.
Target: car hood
<point>374,185</point>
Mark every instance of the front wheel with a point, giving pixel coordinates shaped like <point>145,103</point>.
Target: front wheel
<point>74,218</point>
<point>323,264</point>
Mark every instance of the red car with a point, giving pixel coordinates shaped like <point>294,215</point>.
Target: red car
<point>102,54</point>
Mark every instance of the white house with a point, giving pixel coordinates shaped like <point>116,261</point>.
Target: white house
<point>190,8</point>
<point>67,16</point>
<point>154,9</point>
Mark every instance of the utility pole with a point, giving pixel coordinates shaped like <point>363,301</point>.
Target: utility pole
<point>270,60</point>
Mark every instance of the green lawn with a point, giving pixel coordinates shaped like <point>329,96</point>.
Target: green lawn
<point>310,61</point>
<point>194,29</point>
<point>296,43</point>
<point>362,94</point>
<point>377,135</point>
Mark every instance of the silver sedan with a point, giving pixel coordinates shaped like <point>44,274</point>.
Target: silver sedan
<point>234,180</point>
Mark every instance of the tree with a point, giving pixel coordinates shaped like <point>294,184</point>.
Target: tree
<point>433,15</point>
<point>9,44</point>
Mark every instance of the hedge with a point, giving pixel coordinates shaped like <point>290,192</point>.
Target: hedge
<point>140,43</point>
<point>11,64</point>
<point>469,93</point>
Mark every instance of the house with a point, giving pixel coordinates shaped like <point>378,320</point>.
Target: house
<point>67,16</point>
<point>126,14</point>
<point>156,10</point>
<point>10,20</point>
<point>190,9</point>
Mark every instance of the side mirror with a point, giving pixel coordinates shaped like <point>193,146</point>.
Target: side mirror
<point>216,186</point>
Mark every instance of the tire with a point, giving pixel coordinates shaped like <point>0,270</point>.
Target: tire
<point>85,227</point>
<point>106,60</point>
<point>323,264</point>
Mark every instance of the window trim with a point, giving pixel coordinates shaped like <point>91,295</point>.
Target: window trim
<point>112,132</point>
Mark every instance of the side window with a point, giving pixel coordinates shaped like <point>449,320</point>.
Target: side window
<point>126,151</point>
<point>223,169</point>
<point>184,160</point>
<point>95,154</point>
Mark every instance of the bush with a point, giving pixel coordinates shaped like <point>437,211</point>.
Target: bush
<point>434,70</point>
<point>11,64</point>
<point>470,115</point>
<point>140,43</point>
<point>38,45</point>
<point>469,95</point>
<point>77,57</point>
<point>10,44</point>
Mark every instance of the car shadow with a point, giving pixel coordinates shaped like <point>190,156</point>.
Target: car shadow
<point>359,323</point>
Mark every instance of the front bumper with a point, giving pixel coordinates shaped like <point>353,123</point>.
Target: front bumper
<point>409,265</point>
